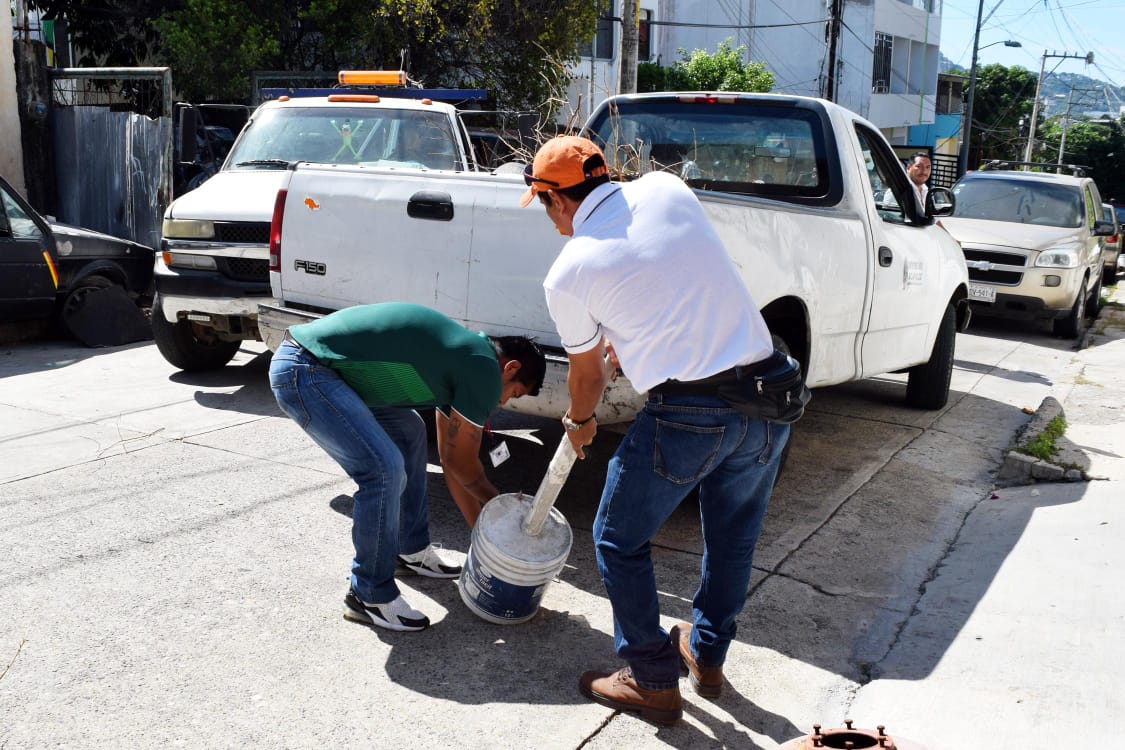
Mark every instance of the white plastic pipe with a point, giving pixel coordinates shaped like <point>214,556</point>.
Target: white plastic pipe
<point>557,472</point>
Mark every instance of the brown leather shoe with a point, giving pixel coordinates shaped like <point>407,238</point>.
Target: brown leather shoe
<point>619,690</point>
<point>707,681</point>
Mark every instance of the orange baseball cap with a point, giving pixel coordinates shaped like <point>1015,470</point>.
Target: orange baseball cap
<point>561,163</point>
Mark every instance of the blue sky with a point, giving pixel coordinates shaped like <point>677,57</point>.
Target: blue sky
<point>1052,26</point>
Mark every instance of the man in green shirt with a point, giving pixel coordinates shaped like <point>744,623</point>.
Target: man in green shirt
<point>353,381</point>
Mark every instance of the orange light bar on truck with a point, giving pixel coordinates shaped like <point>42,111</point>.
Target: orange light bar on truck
<point>372,78</point>
<point>370,98</point>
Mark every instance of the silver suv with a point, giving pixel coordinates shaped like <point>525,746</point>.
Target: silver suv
<point>1032,242</point>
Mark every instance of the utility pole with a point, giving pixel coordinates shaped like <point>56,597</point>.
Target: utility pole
<point>1088,57</point>
<point>1066,119</point>
<point>967,117</point>
<point>630,39</point>
<point>836,11</point>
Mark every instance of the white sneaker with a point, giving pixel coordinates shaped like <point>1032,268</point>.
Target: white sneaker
<point>393,615</point>
<point>429,563</point>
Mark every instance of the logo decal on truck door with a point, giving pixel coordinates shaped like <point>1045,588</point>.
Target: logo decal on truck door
<point>914,273</point>
<point>313,205</point>
<point>311,267</point>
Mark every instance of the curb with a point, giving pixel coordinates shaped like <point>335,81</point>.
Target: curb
<point>1021,469</point>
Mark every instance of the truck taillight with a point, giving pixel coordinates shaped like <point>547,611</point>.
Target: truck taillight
<point>275,230</point>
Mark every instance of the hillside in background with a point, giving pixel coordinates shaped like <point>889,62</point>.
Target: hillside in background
<point>1090,96</point>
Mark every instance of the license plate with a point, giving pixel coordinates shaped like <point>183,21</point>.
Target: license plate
<point>982,293</point>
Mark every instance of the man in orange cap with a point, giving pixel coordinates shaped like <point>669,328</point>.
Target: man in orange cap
<point>645,282</point>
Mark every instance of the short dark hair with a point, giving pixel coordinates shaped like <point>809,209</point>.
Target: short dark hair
<point>533,365</point>
<point>579,192</point>
<point>916,154</point>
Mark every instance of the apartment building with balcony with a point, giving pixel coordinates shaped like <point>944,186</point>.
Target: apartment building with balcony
<point>886,51</point>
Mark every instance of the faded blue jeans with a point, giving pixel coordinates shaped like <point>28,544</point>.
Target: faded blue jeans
<point>383,449</point>
<point>676,443</point>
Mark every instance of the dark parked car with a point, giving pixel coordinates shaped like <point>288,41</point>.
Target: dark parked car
<point>89,282</point>
<point>1111,250</point>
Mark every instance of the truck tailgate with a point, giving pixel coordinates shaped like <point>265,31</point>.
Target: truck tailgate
<point>458,243</point>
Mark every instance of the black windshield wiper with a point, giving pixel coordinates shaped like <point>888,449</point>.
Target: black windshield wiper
<point>263,163</point>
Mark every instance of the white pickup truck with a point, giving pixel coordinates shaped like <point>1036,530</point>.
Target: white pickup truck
<point>812,204</point>
<point>212,272</point>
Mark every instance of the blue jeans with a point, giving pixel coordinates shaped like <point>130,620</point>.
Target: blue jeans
<point>676,443</point>
<point>383,449</point>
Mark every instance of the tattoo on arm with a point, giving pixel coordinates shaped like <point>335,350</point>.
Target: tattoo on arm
<point>454,425</point>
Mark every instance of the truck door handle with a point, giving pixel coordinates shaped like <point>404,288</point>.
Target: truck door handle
<point>430,204</point>
<point>886,257</point>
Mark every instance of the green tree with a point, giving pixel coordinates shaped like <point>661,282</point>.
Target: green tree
<point>1003,95</point>
<point>212,45</point>
<point>721,71</point>
<point>651,77</point>
<point>109,33</point>
<point>517,49</point>
<point>1099,145</point>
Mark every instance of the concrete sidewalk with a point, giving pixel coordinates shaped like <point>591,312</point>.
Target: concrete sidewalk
<point>1039,651</point>
<point>175,554</point>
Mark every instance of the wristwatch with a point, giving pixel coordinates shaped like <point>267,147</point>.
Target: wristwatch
<point>573,426</point>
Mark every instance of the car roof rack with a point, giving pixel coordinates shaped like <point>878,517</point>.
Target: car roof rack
<point>1076,170</point>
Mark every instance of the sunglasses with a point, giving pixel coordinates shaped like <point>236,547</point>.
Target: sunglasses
<point>529,177</point>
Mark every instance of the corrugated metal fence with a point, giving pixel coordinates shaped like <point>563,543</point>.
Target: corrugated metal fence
<point>112,132</point>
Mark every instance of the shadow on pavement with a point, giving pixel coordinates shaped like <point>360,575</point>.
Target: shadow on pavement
<point>252,397</point>
<point>51,354</point>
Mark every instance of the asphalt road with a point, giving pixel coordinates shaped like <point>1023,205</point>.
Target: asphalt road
<point>175,556</point>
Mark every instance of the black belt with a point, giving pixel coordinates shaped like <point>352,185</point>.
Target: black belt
<point>709,386</point>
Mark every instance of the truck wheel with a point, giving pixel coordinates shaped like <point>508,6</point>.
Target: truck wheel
<point>927,385</point>
<point>1070,327</point>
<point>187,345</point>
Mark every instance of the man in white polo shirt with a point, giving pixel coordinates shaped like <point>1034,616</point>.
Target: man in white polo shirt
<point>918,170</point>
<point>645,281</point>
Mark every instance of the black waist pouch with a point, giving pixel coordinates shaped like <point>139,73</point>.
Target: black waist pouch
<point>773,390</point>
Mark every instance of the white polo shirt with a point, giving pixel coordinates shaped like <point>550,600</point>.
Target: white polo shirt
<point>646,270</point>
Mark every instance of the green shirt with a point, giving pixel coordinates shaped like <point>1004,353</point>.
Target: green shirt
<point>399,354</point>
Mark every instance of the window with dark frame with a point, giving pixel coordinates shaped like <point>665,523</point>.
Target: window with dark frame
<point>881,70</point>
<point>644,37</point>
<point>601,46</point>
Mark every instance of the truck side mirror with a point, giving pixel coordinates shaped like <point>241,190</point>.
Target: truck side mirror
<point>940,202</point>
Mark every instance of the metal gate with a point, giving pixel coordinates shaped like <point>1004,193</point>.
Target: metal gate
<point>112,131</point>
<point>944,170</point>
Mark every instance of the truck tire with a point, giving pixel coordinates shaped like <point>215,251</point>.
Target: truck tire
<point>927,385</point>
<point>189,346</point>
<point>1070,326</point>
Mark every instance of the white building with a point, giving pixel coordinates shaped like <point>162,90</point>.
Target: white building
<point>886,50</point>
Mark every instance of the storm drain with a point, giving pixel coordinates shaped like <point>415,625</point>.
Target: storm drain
<point>848,737</point>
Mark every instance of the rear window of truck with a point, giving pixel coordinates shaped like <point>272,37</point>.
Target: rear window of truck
<point>723,144</point>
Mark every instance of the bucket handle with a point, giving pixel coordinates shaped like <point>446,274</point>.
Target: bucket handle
<point>557,472</point>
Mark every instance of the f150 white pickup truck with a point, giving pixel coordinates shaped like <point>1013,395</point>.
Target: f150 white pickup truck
<point>850,271</point>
